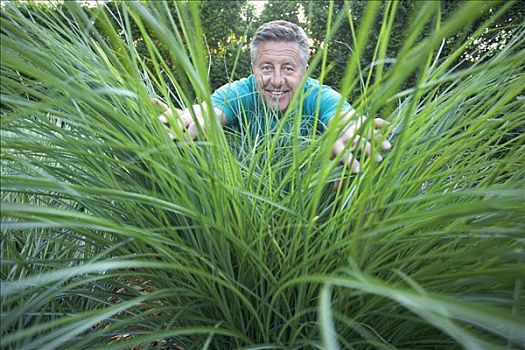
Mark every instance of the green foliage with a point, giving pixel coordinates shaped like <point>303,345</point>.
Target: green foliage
<point>229,25</point>
<point>116,237</point>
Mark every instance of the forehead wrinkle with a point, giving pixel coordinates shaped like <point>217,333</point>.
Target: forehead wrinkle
<point>280,56</point>
<point>277,52</point>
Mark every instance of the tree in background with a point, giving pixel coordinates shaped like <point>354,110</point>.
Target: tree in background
<point>229,25</point>
<point>281,10</point>
<point>225,26</point>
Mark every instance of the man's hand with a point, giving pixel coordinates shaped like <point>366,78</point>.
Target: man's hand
<point>359,144</point>
<point>182,119</point>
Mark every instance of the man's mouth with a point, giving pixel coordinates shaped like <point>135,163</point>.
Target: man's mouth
<point>276,93</point>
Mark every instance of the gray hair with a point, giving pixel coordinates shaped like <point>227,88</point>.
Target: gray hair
<point>281,31</point>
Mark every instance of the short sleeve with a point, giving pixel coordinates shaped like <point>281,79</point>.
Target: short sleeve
<point>330,99</point>
<point>233,97</point>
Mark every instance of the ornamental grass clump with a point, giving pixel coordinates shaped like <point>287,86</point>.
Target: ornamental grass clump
<point>116,237</point>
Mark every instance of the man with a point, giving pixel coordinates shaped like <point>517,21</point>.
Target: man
<point>279,59</point>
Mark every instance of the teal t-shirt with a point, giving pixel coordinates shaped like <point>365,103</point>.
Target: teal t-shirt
<point>242,105</point>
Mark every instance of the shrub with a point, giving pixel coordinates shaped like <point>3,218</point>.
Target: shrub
<point>114,237</point>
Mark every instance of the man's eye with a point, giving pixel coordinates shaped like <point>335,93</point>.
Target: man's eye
<point>266,68</point>
<point>289,69</point>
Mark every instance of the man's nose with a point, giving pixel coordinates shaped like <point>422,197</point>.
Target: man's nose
<point>277,78</point>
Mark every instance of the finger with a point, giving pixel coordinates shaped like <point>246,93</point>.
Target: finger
<point>386,145</point>
<point>185,118</point>
<point>161,105</point>
<point>379,138</point>
<point>350,161</point>
<point>380,123</point>
<point>337,148</point>
<point>167,120</point>
<point>363,147</point>
<point>193,131</point>
<point>357,140</point>
<point>348,133</point>
<point>178,112</point>
<point>163,119</point>
<point>167,113</point>
<point>367,148</point>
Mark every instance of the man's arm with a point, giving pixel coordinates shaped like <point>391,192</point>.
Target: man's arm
<point>349,144</point>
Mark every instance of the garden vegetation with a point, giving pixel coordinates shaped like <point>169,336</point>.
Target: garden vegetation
<point>116,237</point>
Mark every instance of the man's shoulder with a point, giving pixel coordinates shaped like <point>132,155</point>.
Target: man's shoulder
<point>240,84</point>
<point>312,87</point>
<point>311,82</point>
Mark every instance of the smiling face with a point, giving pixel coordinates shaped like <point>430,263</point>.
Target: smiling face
<point>279,71</point>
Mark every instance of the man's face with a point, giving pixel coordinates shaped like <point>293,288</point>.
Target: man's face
<point>279,72</point>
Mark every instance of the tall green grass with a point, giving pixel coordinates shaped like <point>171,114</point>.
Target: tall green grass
<point>116,237</point>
